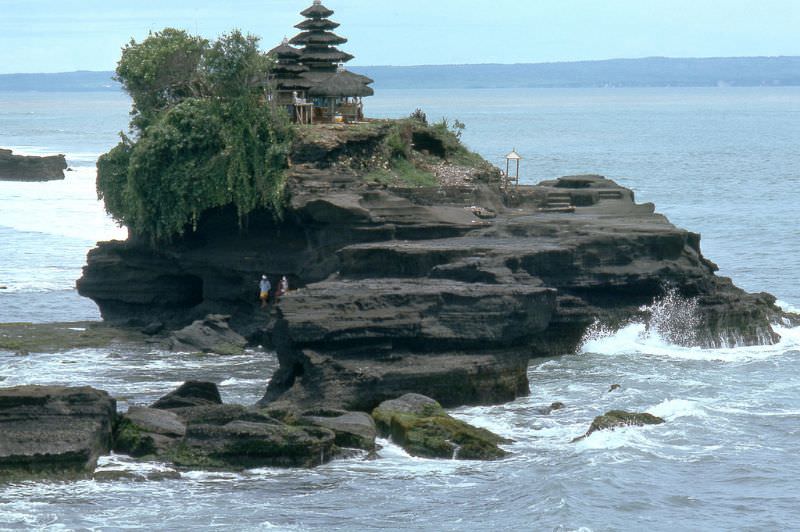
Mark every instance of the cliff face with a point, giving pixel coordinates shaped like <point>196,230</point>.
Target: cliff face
<point>446,291</point>
<point>31,168</point>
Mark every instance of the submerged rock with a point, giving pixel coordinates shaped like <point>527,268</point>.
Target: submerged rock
<point>549,409</point>
<point>30,167</point>
<point>421,426</point>
<point>209,335</point>
<point>620,418</point>
<point>53,430</point>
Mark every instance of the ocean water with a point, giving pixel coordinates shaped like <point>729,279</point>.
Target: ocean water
<point>724,162</point>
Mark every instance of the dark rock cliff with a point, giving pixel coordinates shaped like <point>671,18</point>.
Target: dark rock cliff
<point>31,168</point>
<point>446,291</point>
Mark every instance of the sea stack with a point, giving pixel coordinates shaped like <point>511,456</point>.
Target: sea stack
<point>30,167</point>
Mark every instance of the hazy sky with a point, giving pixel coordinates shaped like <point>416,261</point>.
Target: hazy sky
<point>66,35</point>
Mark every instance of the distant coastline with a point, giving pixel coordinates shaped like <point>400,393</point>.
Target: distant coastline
<point>645,72</point>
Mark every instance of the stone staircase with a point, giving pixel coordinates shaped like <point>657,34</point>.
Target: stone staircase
<point>609,195</point>
<point>558,202</point>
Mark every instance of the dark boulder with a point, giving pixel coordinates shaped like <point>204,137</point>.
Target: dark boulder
<point>53,430</point>
<point>198,432</point>
<point>352,429</point>
<point>212,334</point>
<point>30,167</point>
<point>420,426</point>
<point>190,393</point>
<point>620,418</point>
<point>247,444</point>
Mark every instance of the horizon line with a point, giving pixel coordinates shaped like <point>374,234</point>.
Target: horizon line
<point>576,61</point>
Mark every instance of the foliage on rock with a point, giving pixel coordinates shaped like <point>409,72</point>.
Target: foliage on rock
<point>131,439</point>
<point>202,134</point>
<point>413,148</point>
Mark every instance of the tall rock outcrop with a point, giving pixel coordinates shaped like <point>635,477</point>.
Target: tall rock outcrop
<point>445,290</point>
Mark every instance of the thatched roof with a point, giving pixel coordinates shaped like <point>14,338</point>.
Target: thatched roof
<point>319,38</point>
<point>293,84</point>
<point>343,84</point>
<point>317,11</point>
<point>331,55</point>
<point>317,24</point>
<point>283,50</point>
<point>288,68</point>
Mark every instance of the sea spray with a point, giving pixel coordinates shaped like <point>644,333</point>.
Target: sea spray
<point>671,320</point>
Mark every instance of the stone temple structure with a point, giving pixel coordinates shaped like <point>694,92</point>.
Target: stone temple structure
<point>309,77</point>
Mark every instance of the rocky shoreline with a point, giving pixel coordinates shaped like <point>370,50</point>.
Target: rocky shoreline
<point>405,299</point>
<point>60,432</point>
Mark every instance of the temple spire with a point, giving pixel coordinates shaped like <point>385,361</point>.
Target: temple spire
<point>319,50</point>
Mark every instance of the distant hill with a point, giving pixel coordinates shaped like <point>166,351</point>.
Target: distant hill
<point>646,72</point>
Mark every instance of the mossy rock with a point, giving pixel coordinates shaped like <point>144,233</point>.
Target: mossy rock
<point>620,418</point>
<point>26,338</point>
<point>422,427</point>
<point>132,440</point>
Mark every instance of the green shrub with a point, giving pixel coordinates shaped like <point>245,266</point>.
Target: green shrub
<point>203,136</point>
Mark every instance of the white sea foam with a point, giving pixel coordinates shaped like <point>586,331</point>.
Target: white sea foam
<point>636,338</point>
<point>124,463</point>
<point>618,438</point>
<point>788,307</point>
<point>676,408</point>
<point>66,207</point>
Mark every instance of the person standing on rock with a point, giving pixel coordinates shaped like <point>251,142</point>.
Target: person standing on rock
<point>264,286</point>
<point>283,286</point>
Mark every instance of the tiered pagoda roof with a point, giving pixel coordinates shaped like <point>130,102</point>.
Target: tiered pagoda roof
<point>319,51</point>
<point>287,70</point>
<point>316,68</point>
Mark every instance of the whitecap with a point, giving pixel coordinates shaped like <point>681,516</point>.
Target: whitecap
<point>636,339</point>
<point>788,307</point>
<point>618,438</point>
<point>670,409</point>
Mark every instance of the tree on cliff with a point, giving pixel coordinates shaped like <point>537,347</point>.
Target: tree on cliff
<point>201,134</point>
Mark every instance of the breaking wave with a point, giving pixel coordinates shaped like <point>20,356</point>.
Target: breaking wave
<point>671,330</point>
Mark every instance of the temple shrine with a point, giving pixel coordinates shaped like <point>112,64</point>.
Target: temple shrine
<point>309,78</point>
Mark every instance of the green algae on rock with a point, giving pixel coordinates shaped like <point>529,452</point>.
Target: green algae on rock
<point>620,418</point>
<point>421,426</point>
<point>26,338</point>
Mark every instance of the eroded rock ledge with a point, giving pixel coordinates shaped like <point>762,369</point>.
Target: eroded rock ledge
<point>446,291</point>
